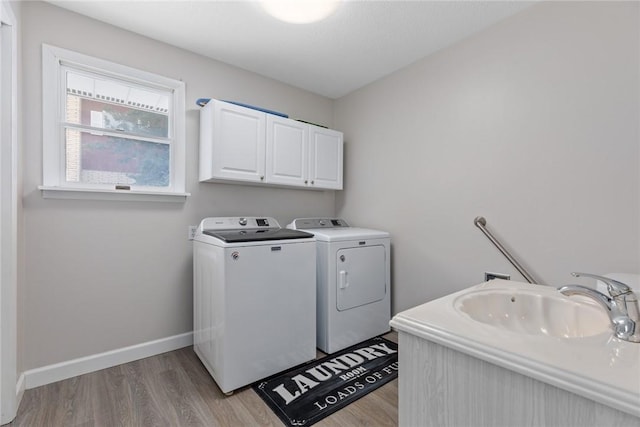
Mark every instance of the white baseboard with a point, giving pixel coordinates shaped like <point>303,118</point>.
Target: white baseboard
<point>20,388</point>
<point>9,411</point>
<point>83,365</point>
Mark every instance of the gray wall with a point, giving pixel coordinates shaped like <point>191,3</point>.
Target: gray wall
<point>532,123</point>
<point>105,275</point>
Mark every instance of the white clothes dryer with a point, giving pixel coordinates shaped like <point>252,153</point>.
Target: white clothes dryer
<point>353,282</point>
<point>254,299</point>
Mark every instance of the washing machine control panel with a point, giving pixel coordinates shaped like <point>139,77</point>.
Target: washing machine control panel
<point>234,223</point>
<point>308,223</point>
<point>262,222</point>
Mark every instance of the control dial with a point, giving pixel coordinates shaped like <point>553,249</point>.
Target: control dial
<point>242,221</point>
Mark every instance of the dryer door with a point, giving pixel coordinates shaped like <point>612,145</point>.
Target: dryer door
<point>361,276</point>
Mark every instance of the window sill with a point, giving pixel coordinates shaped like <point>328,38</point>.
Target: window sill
<point>118,195</point>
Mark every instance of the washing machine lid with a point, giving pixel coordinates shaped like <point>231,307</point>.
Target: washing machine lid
<point>235,229</point>
<point>241,236</point>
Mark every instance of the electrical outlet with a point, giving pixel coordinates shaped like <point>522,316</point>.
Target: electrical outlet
<point>490,276</point>
<point>191,232</point>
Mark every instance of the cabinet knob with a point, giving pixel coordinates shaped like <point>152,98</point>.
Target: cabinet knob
<point>306,182</point>
<point>262,178</point>
<point>312,182</point>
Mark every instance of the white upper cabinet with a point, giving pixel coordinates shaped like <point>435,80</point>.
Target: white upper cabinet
<point>287,151</point>
<point>242,144</point>
<point>325,158</point>
<point>231,143</point>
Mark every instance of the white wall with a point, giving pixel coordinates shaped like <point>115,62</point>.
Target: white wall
<point>105,275</point>
<point>532,123</point>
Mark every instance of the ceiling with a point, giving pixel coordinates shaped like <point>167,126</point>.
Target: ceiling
<point>361,42</point>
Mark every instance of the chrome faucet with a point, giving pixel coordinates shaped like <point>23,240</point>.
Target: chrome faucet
<point>621,305</point>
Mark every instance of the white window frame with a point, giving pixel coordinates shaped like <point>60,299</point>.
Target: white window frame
<point>55,185</point>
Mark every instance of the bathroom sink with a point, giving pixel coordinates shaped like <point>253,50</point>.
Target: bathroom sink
<point>533,313</point>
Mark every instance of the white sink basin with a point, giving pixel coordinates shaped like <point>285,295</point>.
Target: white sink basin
<point>530,312</point>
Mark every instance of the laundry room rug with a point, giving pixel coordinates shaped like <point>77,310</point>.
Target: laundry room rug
<point>308,393</point>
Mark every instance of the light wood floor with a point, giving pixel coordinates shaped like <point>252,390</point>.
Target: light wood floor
<point>174,389</point>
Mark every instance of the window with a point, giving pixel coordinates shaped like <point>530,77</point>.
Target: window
<point>110,129</point>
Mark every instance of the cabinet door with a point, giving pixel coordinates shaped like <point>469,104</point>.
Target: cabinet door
<point>238,151</point>
<point>325,158</point>
<point>287,151</point>
<point>361,276</point>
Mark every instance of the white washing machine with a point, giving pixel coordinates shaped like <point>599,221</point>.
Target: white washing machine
<point>254,299</point>
<point>353,282</point>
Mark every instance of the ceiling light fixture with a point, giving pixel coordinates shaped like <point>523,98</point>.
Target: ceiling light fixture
<point>300,11</point>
